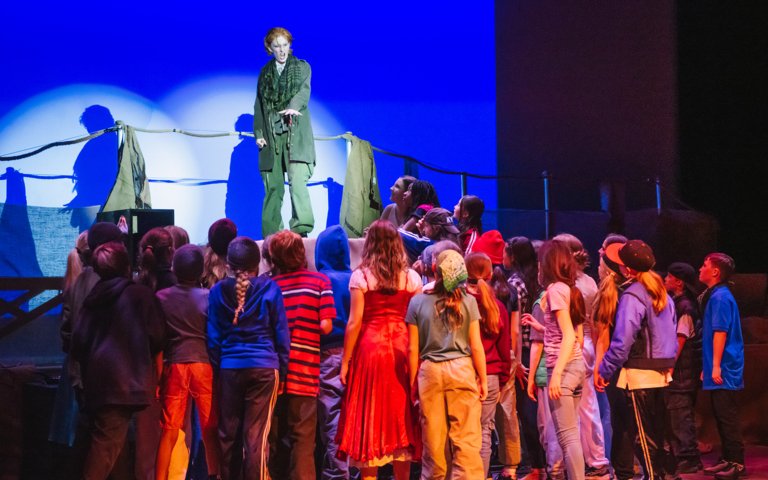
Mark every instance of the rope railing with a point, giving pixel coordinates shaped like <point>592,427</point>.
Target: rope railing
<point>545,177</point>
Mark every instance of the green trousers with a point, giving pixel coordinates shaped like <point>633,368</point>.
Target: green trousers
<point>302,220</point>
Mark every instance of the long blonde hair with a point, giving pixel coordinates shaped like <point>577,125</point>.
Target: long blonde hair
<point>479,267</point>
<point>606,300</point>
<point>214,267</point>
<point>384,255</point>
<point>75,260</point>
<point>654,285</point>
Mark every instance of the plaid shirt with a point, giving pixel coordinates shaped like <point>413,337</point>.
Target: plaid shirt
<point>524,300</point>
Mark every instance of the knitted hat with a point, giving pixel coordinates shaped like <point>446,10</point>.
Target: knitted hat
<point>637,255</point>
<point>492,244</point>
<point>220,233</point>
<point>687,274</point>
<point>452,268</point>
<point>188,263</point>
<point>243,254</point>
<point>441,217</point>
<point>103,232</point>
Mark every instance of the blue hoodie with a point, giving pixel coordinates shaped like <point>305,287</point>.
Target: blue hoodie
<point>260,339</point>
<point>332,259</point>
<point>642,339</point>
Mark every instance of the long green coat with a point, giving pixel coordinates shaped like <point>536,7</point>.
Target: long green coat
<point>302,142</point>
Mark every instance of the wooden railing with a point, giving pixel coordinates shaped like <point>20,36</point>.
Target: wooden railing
<point>29,288</point>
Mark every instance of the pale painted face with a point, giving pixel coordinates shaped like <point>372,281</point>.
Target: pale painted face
<point>280,47</point>
<point>708,273</point>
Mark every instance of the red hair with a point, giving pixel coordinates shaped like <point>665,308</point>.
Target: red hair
<point>286,252</point>
<point>384,255</point>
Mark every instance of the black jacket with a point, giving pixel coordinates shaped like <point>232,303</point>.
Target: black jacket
<point>119,330</point>
<point>686,376</point>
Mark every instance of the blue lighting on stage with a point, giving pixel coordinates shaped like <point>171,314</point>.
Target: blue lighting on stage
<point>406,76</point>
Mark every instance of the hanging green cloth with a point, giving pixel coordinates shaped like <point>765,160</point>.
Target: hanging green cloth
<point>131,189</point>
<point>361,200</point>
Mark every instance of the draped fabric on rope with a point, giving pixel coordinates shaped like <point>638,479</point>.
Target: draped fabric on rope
<point>361,201</point>
<point>131,189</point>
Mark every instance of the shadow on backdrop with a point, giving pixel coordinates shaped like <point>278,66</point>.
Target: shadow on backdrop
<point>245,190</point>
<point>18,256</point>
<point>335,193</point>
<point>95,168</point>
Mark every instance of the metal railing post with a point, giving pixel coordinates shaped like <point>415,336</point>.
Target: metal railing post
<point>545,176</point>
<point>658,196</point>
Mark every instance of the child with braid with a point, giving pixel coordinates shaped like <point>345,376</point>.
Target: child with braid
<point>248,341</point>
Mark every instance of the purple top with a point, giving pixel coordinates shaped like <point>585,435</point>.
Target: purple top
<point>558,298</point>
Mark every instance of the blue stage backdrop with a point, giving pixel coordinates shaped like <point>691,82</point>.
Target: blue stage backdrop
<point>411,77</point>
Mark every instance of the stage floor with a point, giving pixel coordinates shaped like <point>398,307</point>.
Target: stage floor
<point>756,460</point>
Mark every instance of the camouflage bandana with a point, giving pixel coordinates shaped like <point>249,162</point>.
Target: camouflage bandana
<point>452,269</point>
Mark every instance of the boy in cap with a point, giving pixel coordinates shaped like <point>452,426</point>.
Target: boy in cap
<point>723,361</point>
<point>680,398</point>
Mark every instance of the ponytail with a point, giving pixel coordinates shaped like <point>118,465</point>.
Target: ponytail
<point>576,308</point>
<point>448,306</point>
<point>242,282</point>
<point>489,309</point>
<point>606,301</point>
<point>655,288</point>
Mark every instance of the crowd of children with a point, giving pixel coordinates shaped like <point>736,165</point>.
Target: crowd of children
<point>445,344</point>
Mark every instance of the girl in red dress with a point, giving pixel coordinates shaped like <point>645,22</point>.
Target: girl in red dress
<point>377,423</point>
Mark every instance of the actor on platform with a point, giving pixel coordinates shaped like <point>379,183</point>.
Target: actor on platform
<point>283,130</point>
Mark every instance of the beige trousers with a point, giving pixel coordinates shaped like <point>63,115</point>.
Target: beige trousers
<point>450,420</point>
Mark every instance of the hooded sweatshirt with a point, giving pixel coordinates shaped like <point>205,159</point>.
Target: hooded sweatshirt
<point>260,339</point>
<point>332,259</point>
<point>119,330</point>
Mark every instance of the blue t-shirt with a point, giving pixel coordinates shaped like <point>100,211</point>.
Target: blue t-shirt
<point>721,314</point>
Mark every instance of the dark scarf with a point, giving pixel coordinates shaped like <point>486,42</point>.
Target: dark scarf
<point>277,90</point>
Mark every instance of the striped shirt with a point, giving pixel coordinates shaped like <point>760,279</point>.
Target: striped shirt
<point>308,299</point>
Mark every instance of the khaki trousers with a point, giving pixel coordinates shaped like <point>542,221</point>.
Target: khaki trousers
<point>450,420</point>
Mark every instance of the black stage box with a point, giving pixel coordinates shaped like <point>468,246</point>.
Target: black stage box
<point>139,222</point>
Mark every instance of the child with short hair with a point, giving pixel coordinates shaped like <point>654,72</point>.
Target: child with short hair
<point>310,310</point>
<point>723,361</point>
<point>188,370</point>
<point>446,355</point>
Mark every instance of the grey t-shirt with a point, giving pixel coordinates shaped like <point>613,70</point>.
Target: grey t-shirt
<point>558,298</point>
<point>186,314</point>
<point>436,342</point>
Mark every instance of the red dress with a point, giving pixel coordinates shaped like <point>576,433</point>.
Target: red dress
<point>377,419</point>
